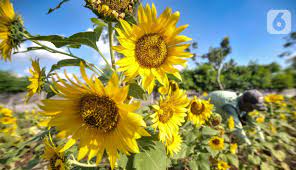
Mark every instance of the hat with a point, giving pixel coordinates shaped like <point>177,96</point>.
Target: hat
<point>255,98</point>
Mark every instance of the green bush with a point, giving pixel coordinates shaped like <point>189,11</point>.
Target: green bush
<point>239,78</point>
<point>10,83</point>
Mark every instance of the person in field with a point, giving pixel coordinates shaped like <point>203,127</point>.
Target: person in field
<point>228,103</point>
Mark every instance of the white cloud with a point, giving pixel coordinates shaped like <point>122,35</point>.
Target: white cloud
<point>90,29</point>
<point>104,47</point>
<point>40,53</point>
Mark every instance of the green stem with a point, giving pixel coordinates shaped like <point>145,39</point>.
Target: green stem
<point>104,58</point>
<point>110,32</point>
<point>75,162</point>
<point>49,49</point>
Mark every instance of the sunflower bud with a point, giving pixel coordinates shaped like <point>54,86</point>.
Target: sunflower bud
<point>215,120</point>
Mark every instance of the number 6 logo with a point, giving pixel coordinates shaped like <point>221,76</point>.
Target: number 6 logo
<point>279,22</point>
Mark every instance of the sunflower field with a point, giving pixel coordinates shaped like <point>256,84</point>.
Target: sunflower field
<point>103,118</point>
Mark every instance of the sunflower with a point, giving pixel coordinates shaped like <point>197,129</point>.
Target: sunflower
<point>53,155</point>
<point>272,128</point>
<point>222,165</point>
<point>199,111</point>
<point>36,79</point>
<point>152,47</point>
<point>216,143</point>
<point>274,98</point>
<point>111,9</point>
<point>283,116</point>
<point>215,120</point>
<point>11,130</point>
<point>11,29</point>
<point>100,120</point>
<point>260,119</point>
<point>253,113</point>
<point>170,114</point>
<point>6,112</point>
<point>8,120</point>
<point>233,148</point>
<point>230,123</point>
<point>173,145</point>
<point>172,87</point>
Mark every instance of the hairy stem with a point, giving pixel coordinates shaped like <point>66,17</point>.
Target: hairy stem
<point>75,162</point>
<point>110,32</point>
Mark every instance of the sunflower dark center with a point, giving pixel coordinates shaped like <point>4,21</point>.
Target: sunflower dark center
<point>166,114</point>
<point>216,141</point>
<point>99,112</point>
<point>197,109</point>
<point>173,86</point>
<point>117,5</point>
<point>151,51</point>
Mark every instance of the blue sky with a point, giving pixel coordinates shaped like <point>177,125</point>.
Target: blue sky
<point>244,21</point>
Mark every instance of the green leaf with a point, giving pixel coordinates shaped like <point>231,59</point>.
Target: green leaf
<point>151,157</point>
<point>136,91</point>
<point>203,161</point>
<point>207,131</point>
<point>122,161</point>
<point>254,159</point>
<point>82,38</point>
<point>266,166</point>
<point>182,153</point>
<point>66,62</point>
<point>29,49</point>
<point>57,7</point>
<point>98,22</point>
<point>280,155</point>
<point>193,165</point>
<point>232,159</point>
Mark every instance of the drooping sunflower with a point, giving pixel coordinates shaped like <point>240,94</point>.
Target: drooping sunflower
<point>216,143</point>
<point>100,120</point>
<point>152,47</point>
<point>199,111</point>
<point>222,165</point>
<point>215,120</point>
<point>53,155</point>
<point>173,145</point>
<point>36,79</point>
<point>233,148</point>
<point>170,114</point>
<point>111,9</point>
<point>231,123</point>
<point>11,29</point>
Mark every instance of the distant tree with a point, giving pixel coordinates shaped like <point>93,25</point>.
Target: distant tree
<point>10,83</point>
<point>216,57</point>
<point>282,80</point>
<point>291,53</point>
